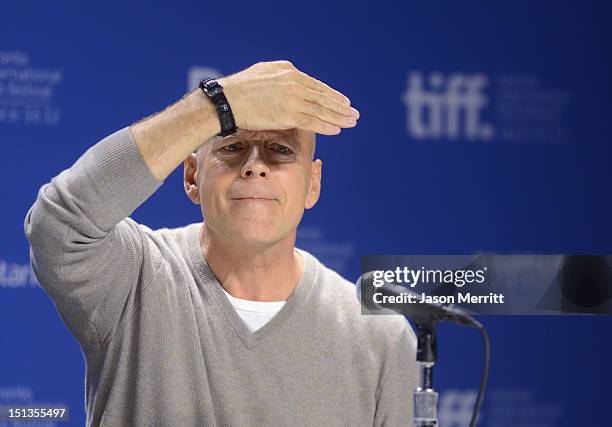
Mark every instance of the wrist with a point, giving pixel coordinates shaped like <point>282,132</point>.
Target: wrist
<point>229,90</point>
<point>215,92</point>
<point>206,113</point>
<point>165,139</point>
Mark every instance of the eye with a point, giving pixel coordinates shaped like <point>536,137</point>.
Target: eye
<point>232,148</point>
<point>281,149</point>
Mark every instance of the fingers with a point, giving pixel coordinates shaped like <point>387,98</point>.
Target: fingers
<point>315,106</point>
<point>311,82</point>
<point>329,103</point>
<point>319,86</point>
<point>313,124</point>
<point>323,113</point>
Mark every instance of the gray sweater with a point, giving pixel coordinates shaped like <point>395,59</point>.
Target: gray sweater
<point>163,344</point>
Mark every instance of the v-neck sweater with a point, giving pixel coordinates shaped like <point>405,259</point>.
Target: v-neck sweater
<point>163,344</point>
<point>254,314</point>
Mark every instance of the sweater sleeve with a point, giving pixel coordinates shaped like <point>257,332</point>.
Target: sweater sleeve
<point>85,251</point>
<point>394,406</point>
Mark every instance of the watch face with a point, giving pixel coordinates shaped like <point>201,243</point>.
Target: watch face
<point>212,87</point>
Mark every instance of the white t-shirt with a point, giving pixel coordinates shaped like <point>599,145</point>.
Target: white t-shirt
<point>255,314</point>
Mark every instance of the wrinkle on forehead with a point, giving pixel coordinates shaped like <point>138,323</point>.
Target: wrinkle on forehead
<point>267,134</point>
<point>294,134</point>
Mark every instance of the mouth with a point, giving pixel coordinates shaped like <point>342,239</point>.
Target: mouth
<point>254,198</point>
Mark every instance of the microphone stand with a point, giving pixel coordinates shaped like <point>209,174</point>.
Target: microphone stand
<point>425,316</point>
<point>425,412</point>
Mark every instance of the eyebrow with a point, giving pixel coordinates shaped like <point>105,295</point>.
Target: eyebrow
<point>288,139</point>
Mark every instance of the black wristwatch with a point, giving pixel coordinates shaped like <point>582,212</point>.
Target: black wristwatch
<point>214,91</point>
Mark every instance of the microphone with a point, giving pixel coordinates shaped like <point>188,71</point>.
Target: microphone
<point>425,315</point>
<point>408,303</point>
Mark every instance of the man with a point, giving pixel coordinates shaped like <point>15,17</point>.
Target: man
<point>222,322</point>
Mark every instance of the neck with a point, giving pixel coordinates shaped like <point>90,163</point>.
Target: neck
<point>262,273</point>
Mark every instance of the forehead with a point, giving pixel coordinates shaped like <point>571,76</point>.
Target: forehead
<point>289,135</point>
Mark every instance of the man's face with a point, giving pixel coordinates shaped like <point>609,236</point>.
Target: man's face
<point>253,186</point>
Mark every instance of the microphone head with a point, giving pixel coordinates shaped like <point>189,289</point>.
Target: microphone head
<point>393,298</point>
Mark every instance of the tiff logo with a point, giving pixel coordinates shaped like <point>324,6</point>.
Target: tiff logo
<point>450,108</point>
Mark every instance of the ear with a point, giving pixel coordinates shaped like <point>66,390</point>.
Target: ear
<point>314,189</point>
<point>190,178</point>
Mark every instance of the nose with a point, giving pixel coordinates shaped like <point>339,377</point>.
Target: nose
<point>255,164</point>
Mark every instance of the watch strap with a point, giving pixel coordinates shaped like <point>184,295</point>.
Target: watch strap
<point>213,90</point>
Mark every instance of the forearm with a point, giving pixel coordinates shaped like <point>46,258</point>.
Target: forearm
<point>114,176</point>
<point>167,138</point>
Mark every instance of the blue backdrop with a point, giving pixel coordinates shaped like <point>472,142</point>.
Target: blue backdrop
<point>484,127</point>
